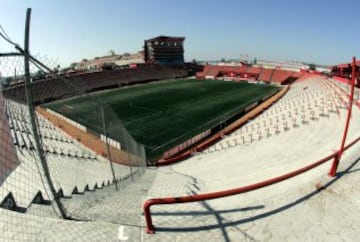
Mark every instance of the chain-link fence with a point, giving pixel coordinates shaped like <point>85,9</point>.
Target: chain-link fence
<point>53,168</point>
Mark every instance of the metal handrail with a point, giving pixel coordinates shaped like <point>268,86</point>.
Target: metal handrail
<point>150,229</point>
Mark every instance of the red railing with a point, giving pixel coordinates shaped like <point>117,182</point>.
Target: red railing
<point>337,158</point>
<point>214,195</point>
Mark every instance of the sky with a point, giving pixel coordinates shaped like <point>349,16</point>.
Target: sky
<point>316,31</point>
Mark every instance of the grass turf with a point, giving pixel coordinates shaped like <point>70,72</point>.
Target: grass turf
<point>163,115</point>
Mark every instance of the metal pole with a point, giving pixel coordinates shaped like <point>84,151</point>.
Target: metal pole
<point>9,114</point>
<point>127,150</point>
<point>33,117</point>
<point>107,144</point>
<point>337,158</point>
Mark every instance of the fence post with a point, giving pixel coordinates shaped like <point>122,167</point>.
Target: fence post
<point>107,144</point>
<point>28,93</point>
<point>128,153</point>
<point>337,158</point>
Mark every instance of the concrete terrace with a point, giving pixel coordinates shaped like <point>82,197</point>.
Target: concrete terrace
<point>307,207</point>
<point>301,128</point>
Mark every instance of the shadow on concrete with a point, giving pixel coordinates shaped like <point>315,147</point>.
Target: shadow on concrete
<point>222,224</point>
<point>204,213</point>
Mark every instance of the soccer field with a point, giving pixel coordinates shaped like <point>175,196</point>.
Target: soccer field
<point>162,115</point>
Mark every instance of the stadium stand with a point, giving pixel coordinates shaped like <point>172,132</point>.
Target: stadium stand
<point>53,188</point>
<point>208,72</point>
<point>265,74</point>
<point>281,76</point>
<point>253,70</point>
<point>309,116</point>
<point>343,88</point>
<point>297,75</point>
<point>53,89</point>
<point>234,72</point>
<point>87,170</point>
<point>287,114</point>
<point>276,75</point>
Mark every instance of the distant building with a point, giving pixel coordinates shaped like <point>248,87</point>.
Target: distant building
<point>164,50</point>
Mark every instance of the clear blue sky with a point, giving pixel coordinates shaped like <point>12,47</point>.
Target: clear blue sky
<point>320,31</point>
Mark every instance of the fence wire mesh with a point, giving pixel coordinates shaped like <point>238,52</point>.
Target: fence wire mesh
<point>70,163</point>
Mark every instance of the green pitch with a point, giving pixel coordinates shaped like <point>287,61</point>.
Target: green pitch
<point>163,115</point>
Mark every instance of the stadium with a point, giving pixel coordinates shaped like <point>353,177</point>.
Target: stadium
<point>165,150</point>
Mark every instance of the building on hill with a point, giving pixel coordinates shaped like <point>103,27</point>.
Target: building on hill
<point>164,50</point>
<point>115,60</point>
<point>137,58</point>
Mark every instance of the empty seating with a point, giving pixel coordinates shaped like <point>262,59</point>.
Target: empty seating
<point>280,76</point>
<point>300,106</point>
<point>70,163</point>
<point>265,74</point>
<point>52,89</point>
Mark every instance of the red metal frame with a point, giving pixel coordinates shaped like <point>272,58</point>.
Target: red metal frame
<point>337,158</point>
<point>150,229</point>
